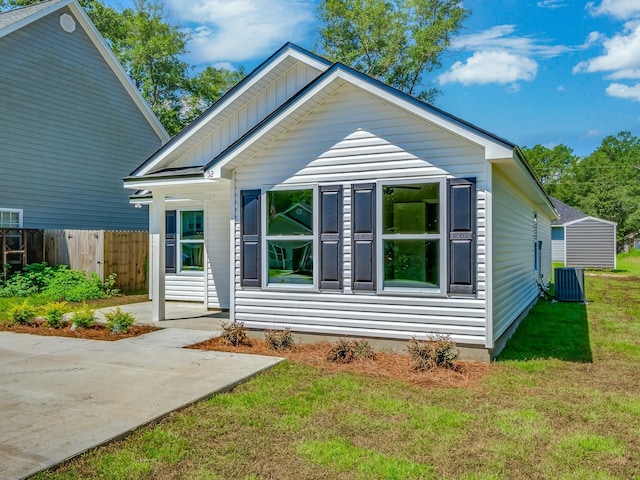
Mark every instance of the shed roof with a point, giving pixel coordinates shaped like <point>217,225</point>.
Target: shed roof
<point>566,213</point>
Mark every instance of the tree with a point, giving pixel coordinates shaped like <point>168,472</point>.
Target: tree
<point>550,164</point>
<point>151,51</point>
<point>395,41</point>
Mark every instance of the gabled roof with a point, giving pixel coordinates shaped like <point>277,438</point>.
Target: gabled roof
<point>566,213</point>
<point>333,77</point>
<point>184,140</point>
<point>14,20</point>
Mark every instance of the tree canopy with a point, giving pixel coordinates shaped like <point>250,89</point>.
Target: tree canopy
<point>151,50</point>
<point>395,41</point>
<point>605,184</point>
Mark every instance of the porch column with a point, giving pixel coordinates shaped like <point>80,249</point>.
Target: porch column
<point>157,234</point>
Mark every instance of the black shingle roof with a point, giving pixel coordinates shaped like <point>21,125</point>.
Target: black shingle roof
<point>567,213</point>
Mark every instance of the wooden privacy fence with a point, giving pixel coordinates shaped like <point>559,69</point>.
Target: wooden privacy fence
<point>104,252</point>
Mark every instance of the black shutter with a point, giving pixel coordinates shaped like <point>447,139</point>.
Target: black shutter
<point>331,237</point>
<point>170,241</point>
<point>250,238</point>
<point>363,225</point>
<point>462,235</point>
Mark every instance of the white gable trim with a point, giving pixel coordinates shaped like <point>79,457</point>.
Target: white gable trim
<point>104,50</point>
<point>601,220</point>
<point>339,76</point>
<point>227,100</point>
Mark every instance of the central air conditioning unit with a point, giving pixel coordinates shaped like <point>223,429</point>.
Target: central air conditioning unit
<point>569,284</point>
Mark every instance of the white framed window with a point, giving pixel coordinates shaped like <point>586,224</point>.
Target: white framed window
<point>184,241</point>
<point>10,218</point>
<point>290,237</point>
<point>191,241</point>
<point>411,235</point>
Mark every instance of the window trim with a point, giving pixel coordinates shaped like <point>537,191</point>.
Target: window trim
<point>19,211</point>
<point>441,237</point>
<point>179,241</point>
<point>315,238</point>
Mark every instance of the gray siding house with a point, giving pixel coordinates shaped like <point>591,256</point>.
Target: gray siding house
<point>316,198</point>
<point>578,240</point>
<point>72,124</point>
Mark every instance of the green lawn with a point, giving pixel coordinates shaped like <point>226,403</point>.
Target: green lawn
<point>562,403</point>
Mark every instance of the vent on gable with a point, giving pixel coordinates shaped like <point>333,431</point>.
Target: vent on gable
<point>569,284</point>
<point>67,23</point>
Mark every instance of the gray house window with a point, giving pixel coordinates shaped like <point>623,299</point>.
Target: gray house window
<point>10,218</point>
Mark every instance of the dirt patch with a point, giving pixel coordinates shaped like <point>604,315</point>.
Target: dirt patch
<point>97,332</point>
<point>385,364</point>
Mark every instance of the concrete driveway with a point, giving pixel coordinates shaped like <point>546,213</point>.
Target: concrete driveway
<point>60,396</point>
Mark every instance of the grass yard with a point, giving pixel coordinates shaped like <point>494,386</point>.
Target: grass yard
<point>562,402</point>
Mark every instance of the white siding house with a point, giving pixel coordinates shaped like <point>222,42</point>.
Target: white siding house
<point>72,122</point>
<point>336,205</point>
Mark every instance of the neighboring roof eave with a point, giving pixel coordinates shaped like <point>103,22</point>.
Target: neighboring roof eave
<point>104,50</point>
<point>227,98</point>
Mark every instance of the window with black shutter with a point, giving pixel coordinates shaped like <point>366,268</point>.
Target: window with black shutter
<point>250,238</point>
<point>462,235</point>
<point>363,229</point>
<point>331,237</point>
<point>170,241</point>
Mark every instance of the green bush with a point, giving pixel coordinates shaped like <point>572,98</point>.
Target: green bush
<point>57,283</point>
<point>346,351</point>
<point>119,321</point>
<point>22,314</point>
<point>279,339</point>
<point>84,318</point>
<point>438,351</point>
<point>235,334</point>
<point>54,314</point>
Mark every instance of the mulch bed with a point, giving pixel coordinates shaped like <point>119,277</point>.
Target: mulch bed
<point>96,332</point>
<point>385,364</point>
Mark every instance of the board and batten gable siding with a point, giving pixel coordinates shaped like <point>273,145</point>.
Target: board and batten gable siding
<point>514,275</point>
<point>240,121</point>
<point>590,242</point>
<point>70,131</point>
<point>353,138</point>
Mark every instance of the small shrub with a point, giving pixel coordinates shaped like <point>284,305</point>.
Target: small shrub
<point>22,314</point>
<point>54,314</point>
<point>279,339</point>
<point>346,351</point>
<point>84,318</point>
<point>119,321</point>
<point>437,352</point>
<point>235,334</point>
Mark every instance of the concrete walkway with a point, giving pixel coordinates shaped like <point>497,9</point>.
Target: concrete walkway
<point>188,315</point>
<point>60,396</point>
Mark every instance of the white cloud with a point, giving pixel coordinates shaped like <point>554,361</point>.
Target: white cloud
<point>491,66</point>
<point>561,88</point>
<point>501,37</point>
<point>235,31</point>
<point>551,4</point>
<point>591,134</point>
<point>621,9</point>
<point>619,90</point>
<point>622,54</point>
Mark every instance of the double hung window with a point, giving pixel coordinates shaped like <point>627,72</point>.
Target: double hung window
<point>10,218</point>
<point>289,233</point>
<point>411,235</point>
<point>185,236</point>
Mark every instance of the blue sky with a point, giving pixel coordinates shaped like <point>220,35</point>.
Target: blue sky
<point>531,71</point>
